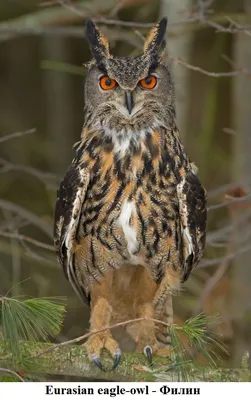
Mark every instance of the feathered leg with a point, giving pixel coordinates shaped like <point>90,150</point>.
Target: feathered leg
<point>162,332</point>
<point>101,312</point>
<point>163,309</point>
<point>144,332</point>
<point>169,285</point>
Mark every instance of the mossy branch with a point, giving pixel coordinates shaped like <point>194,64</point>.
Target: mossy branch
<point>72,360</point>
<point>25,321</point>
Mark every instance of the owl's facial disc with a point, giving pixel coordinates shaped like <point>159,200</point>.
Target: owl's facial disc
<point>127,91</point>
<point>127,101</point>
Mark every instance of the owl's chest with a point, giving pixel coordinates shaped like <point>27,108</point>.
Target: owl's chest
<point>131,210</point>
<point>131,203</point>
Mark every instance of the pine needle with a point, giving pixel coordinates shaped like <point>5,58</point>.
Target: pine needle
<point>194,337</point>
<point>30,319</point>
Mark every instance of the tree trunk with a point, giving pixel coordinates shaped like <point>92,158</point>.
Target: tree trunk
<point>179,46</point>
<point>59,105</point>
<point>242,174</point>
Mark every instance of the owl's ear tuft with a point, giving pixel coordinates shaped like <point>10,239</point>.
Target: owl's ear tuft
<point>155,42</point>
<point>98,43</point>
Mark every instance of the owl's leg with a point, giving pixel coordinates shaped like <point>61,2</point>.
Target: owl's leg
<point>169,285</point>
<point>143,332</point>
<point>163,309</point>
<point>162,331</point>
<point>101,312</point>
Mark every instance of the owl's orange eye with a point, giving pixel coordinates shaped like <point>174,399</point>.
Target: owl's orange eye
<point>107,83</point>
<point>149,82</point>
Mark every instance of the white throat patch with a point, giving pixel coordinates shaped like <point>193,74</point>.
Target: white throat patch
<point>123,139</point>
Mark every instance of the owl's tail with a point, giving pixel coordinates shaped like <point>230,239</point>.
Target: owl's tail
<point>162,332</point>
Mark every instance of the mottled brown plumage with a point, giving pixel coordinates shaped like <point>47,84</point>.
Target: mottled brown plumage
<point>130,216</point>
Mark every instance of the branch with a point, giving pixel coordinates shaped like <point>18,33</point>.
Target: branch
<point>235,200</point>
<point>200,17</point>
<point>28,215</point>
<point>12,235</point>
<point>41,175</point>
<point>10,372</point>
<point>221,190</point>
<point>179,61</point>
<point>229,257</point>
<point>47,178</point>
<point>72,360</point>
<point>50,21</point>
<point>86,335</point>
<point>211,283</point>
<point>45,20</point>
<point>16,134</point>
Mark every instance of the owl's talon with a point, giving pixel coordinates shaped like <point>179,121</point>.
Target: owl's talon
<point>97,361</point>
<point>148,353</point>
<point>117,357</point>
<point>94,346</point>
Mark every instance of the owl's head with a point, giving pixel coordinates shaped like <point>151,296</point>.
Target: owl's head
<point>128,94</point>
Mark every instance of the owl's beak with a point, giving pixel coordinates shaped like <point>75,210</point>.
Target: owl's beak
<point>129,101</point>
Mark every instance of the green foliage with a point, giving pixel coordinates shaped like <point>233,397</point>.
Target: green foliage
<point>9,379</point>
<point>245,375</point>
<point>191,338</point>
<point>33,319</point>
<point>30,319</point>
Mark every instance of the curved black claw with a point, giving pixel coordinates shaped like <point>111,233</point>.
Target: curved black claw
<point>148,353</point>
<point>98,362</point>
<point>117,357</point>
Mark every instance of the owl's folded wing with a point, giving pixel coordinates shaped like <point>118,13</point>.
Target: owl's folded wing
<point>193,218</point>
<point>71,196</point>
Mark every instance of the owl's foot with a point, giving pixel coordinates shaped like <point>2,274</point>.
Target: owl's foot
<point>148,344</point>
<point>100,341</point>
<point>149,351</point>
<point>146,340</point>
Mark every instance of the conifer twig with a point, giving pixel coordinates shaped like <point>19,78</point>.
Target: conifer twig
<point>10,372</point>
<point>86,335</point>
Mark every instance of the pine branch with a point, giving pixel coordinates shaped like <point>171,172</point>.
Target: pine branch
<point>29,319</point>
<point>25,321</point>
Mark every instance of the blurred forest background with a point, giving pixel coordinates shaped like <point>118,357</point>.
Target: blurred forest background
<point>42,51</point>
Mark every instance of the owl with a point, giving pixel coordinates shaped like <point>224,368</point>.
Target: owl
<point>130,216</point>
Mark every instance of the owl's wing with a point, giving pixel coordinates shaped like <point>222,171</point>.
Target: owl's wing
<point>71,196</point>
<point>193,218</point>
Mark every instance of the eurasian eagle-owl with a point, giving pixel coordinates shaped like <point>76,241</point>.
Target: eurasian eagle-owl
<point>130,216</point>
